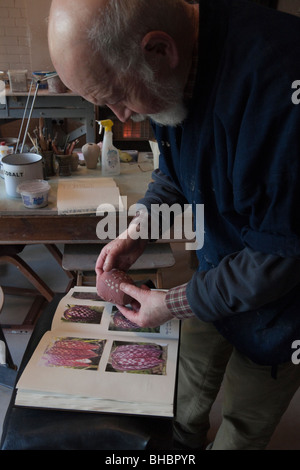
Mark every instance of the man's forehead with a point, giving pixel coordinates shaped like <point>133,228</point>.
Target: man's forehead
<point>100,88</point>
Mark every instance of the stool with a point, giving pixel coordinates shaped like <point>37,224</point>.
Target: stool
<point>82,258</point>
<point>42,293</point>
<point>45,429</point>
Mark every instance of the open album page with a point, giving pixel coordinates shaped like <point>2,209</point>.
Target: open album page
<point>94,359</point>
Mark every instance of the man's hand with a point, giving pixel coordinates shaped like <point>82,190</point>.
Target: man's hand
<point>120,253</point>
<point>150,309</point>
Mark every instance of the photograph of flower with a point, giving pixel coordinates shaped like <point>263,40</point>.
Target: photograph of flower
<point>142,358</point>
<point>120,323</point>
<point>83,314</point>
<point>75,353</point>
<point>86,296</point>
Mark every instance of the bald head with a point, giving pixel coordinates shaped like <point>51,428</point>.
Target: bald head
<point>70,20</point>
<point>68,37</point>
<point>93,42</point>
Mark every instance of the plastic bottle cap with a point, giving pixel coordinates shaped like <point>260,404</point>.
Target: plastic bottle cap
<point>107,124</point>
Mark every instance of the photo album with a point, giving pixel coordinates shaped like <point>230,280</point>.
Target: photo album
<point>94,359</point>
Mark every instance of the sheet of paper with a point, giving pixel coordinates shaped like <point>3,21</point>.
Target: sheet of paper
<point>86,195</point>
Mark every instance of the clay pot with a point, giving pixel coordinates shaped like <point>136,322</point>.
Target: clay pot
<point>91,153</point>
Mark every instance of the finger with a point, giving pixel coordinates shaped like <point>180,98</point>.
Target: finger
<point>109,262</point>
<point>99,271</point>
<point>105,261</point>
<point>100,262</point>
<point>130,314</point>
<point>133,291</point>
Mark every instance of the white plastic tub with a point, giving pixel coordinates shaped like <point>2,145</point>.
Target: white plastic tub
<point>34,193</point>
<point>18,80</point>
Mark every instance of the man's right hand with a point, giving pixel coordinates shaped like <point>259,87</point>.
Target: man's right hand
<point>120,253</point>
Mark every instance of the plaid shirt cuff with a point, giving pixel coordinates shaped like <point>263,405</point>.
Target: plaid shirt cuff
<point>177,303</point>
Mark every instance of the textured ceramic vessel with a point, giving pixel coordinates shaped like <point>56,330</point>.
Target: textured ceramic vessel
<point>108,287</point>
<point>91,153</point>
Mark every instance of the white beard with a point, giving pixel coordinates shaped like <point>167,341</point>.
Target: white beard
<point>174,116</point>
<point>170,95</point>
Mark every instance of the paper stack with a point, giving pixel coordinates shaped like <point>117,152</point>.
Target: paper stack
<point>88,196</point>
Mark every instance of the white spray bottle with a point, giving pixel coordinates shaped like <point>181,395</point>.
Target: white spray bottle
<point>110,159</point>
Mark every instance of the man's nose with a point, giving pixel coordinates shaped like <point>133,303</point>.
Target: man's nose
<point>122,112</point>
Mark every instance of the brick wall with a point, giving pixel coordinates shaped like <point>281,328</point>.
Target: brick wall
<point>14,36</point>
<point>16,50</point>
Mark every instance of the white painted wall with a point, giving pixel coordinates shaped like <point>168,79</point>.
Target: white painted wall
<point>23,35</point>
<point>14,36</point>
<point>37,17</point>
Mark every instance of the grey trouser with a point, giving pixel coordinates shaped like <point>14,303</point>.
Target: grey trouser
<point>253,402</point>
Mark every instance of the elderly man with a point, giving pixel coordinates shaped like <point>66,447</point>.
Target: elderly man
<point>216,79</point>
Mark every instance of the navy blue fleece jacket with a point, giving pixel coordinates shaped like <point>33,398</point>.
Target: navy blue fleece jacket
<point>238,153</point>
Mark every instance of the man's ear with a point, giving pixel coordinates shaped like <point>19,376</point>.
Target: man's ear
<point>157,46</point>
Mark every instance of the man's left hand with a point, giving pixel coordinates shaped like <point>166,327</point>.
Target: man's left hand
<point>149,309</point>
